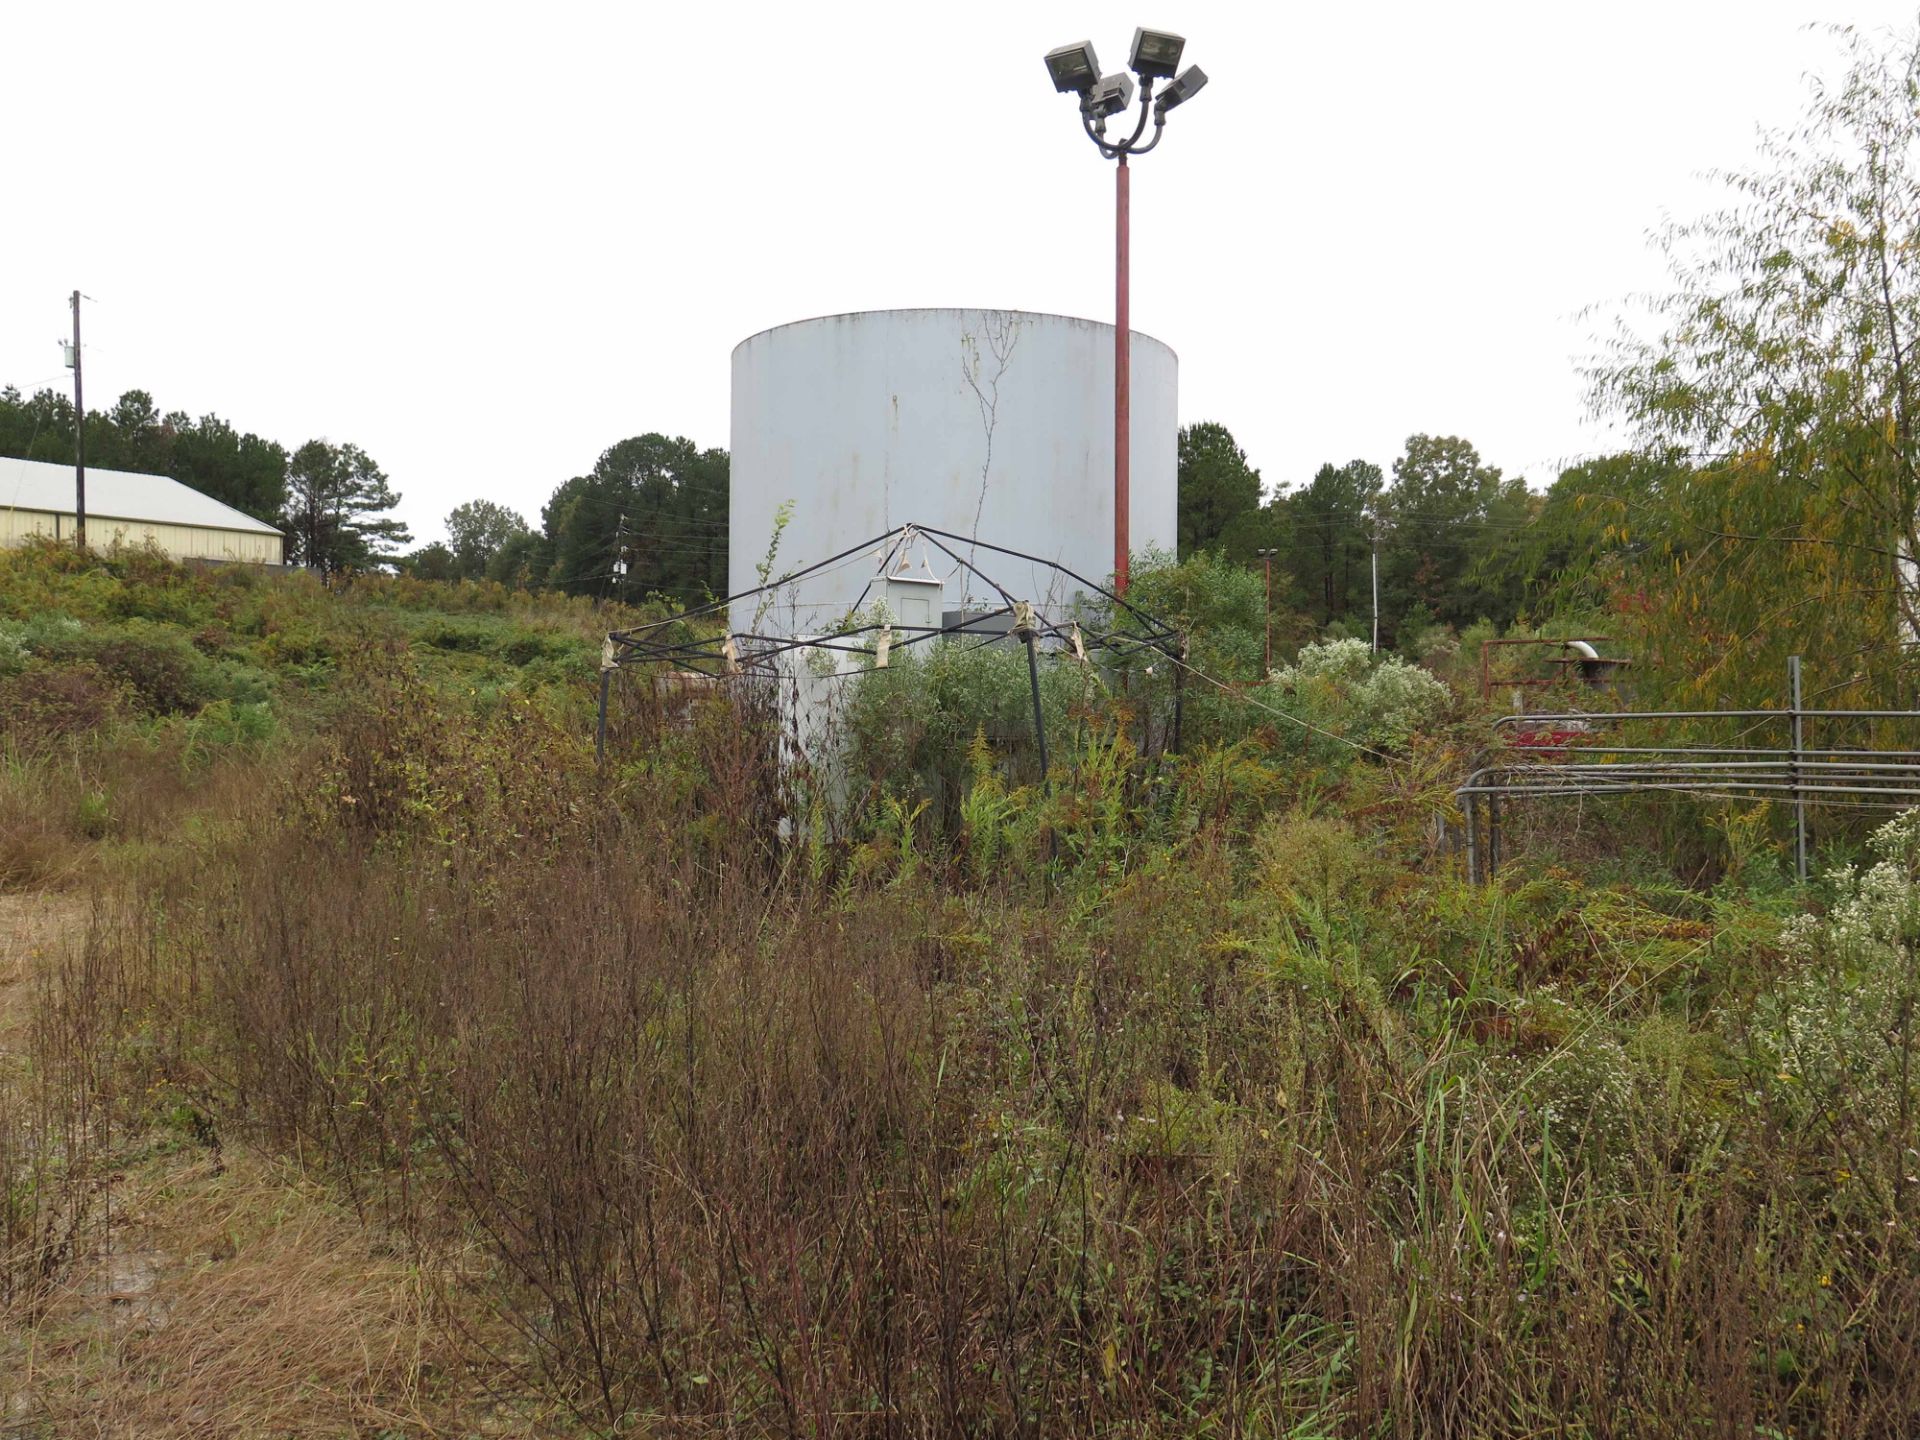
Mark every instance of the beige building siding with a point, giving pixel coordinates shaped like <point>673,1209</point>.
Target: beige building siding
<point>182,542</point>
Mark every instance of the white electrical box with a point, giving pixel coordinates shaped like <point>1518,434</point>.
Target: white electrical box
<point>913,599</point>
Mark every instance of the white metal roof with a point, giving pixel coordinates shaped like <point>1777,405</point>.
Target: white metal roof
<point>118,495</point>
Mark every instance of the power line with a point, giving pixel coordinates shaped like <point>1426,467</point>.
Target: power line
<point>695,521</point>
<point>1247,699</point>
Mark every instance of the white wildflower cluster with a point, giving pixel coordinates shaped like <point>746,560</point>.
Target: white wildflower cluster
<point>45,634</point>
<point>1400,697</point>
<point>13,650</point>
<point>1581,1097</point>
<point>1899,838</point>
<point>1343,685</point>
<point>1587,1089</point>
<point>1837,1029</point>
<point>1330,660</point>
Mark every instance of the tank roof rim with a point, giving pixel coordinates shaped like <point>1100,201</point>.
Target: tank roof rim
<point>1137,333</point>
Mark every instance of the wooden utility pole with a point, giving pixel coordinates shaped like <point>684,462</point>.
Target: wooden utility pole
<point>79,438</point>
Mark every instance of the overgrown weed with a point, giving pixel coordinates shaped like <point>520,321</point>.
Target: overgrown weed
<point>1176,1095</point>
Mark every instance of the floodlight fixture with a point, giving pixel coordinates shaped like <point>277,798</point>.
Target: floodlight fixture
<point>1074,69</point>
<point>1155,54</point>
<point>1155,59</point>
<point>1111,96</point>
<point>1189,83</point>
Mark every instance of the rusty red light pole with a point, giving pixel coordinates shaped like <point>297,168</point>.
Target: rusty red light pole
<point>1075,68</point>
<point>1122,381</point>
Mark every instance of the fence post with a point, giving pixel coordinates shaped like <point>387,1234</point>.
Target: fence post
<point>1799,795</point>
<point>1179,694</point>
<point>600,726</point>
<point>1473,837</point>
<point>609,657</point>
<point>1026,625</point>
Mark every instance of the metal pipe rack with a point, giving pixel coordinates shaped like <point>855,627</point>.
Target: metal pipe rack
<point>1587,764</point>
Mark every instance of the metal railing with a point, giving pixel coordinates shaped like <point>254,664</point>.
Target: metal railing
<point>1578,758</point>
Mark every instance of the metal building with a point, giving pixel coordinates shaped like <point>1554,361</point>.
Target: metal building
<point>124,508</point>
<point>995,424</point>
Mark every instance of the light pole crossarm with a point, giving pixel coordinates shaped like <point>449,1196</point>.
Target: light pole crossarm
<point>1146,108</point>
<point>1159,129</point>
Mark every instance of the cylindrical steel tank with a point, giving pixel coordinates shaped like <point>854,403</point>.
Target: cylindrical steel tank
<point>993,424</point>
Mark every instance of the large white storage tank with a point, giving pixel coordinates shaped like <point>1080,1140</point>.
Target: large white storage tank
<point>989,423</point>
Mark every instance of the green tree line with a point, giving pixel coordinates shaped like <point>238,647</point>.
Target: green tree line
<point>1452,532</point>
<point>1459,541</point>
<point>649,518</point>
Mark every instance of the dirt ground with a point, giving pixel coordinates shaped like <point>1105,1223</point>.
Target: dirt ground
<point>237,1300</point>
<point>224,1294</point>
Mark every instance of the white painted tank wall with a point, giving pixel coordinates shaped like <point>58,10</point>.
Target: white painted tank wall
<point>870,420</point>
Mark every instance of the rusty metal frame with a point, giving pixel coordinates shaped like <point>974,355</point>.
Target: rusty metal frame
<point>1486,648</point>
<point>1590,766</point>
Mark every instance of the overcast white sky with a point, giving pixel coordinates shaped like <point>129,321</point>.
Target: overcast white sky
<point>485,242</point>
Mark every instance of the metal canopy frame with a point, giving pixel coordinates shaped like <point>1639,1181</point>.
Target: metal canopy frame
<point>754,654</point>
<point>755,651</point>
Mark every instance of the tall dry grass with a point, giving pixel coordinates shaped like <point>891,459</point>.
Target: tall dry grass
<point>1230,1139</point>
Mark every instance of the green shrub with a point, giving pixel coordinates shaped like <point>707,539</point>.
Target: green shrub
<point>93,815</point>
<point>1218,609</point>
<point>46,576</point>
<point>241,682</point>
<point>467,636</point>
<point>918,716</point>
<point>154,588</point>
<point>159,665</point>
<point>525,647</point>
<point>226,725</point>
<point>59,700</point>
<point>52,635</point>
